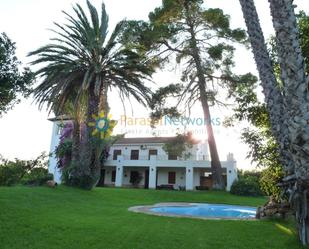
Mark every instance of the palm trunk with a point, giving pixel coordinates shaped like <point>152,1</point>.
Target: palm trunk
<point>103,103</point>
<point>287,114</point>
<point>296,94</point>
<point>216,168</point>
<point>102,106</point>
<point>88,146</point>
<point>75,140</point>
<point>76,147</point>
<point>273,96</point>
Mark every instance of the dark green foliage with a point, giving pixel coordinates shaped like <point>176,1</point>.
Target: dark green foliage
<point>167,36</point>
<point>136,178</point>
<point>246,186</point>
<point>11,173</point>
<point>159,100</point>
<point>64,149</point>
<point>202,188</point>
<point>13,82</point>
<point>270,177</point>
<point>79,180</point>
<point>37,177</point>
<point>22,171</point>
<point>83,58</point>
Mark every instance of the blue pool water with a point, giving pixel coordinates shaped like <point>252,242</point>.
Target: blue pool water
<point>208,210</point>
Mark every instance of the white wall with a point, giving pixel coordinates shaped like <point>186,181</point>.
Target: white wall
<point>197,176</point>
<point>108,175</point>
<point>52,166</point>
<point>198,152</point>
<point>143,153</point>
<point>202,151</point>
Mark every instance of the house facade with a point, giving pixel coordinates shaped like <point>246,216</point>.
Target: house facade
<point>142,162</point>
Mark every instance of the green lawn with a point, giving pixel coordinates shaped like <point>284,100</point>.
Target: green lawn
<point>42,218</point>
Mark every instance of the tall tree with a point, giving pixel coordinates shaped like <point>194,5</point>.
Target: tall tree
<point>83,59</point>
<point>287,103</point>
<point>263,149</point>
<point>13,82</point>
<point>200,40</point>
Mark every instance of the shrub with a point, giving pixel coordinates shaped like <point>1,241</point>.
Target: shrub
<point>37,177</point>
<point>269,179</point>
<point>18,171</point>
<point>166,187</point>
<point>202,188</point>
<point>11,173</point>
<point>136,178</point>
<point>246,186</point>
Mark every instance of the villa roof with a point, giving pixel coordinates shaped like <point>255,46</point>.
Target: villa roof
<point>144,140</point>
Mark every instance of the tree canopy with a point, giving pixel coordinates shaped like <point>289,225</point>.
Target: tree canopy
<point>14,83</point>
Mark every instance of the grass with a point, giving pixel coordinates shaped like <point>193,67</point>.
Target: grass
<point>43,218</point>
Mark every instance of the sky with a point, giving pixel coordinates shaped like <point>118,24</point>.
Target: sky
<point>25,131</point>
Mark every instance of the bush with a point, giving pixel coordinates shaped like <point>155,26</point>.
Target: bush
<point>269,180</point>
<point>37,177</point>
<point>246,186</point>
<point>19,171</point>
<point>136,178</point>
<point>202,188</point>
<point>165,187</point>
<point>11,173</point>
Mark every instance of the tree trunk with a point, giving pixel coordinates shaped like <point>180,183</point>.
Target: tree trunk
<point>296,94</point>
<point>75,140</point>
<point>87,159</point>
<point>216,168</point>
<point>102,106</point>
<point>273,95</point>
<point>289,112</point>
<point>103,102</point>
<point>215,161</point>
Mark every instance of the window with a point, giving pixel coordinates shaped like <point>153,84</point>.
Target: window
<point>171,177</point>
<point>116,153</point>
<point>134,154</point>
<point>113,175</point>
<point>172,157</point>
<point>152,153</point>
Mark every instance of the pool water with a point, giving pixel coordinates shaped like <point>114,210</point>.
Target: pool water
<point>208,210</point>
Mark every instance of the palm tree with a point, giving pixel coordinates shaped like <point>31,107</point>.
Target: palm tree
<point>288,104</point>
<point>81,59</point>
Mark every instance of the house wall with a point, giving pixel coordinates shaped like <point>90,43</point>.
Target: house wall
<point>108,176</point>
<point>160,165</point>
<point>197,152</point>
<point>143,153</point>
<point>52,165</point>
<point>196,177</point>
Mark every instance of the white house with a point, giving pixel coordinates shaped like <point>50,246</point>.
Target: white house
<point>143,161</point>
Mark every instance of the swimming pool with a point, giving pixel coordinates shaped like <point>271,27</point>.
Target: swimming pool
<point>199,210</point>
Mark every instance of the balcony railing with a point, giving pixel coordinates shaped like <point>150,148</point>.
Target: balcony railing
<point>159,158</point>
